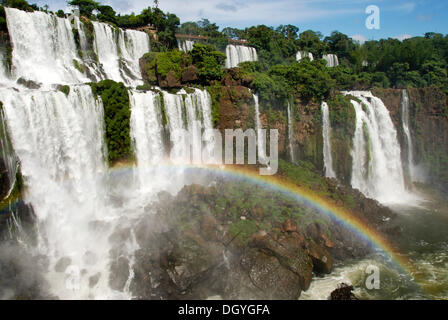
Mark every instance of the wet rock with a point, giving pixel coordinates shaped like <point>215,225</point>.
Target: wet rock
<point>93,280</point>
<point>62,264</point>
<point>119,273</point>
<point>343,292</point>
<point>30,84</point>
<point>322,260</point>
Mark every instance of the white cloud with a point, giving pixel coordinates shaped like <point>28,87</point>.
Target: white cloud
<point>359,37</point>
<point>246,12</point>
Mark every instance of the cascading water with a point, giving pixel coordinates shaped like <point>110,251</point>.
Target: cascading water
<point>183,111</point>
<point>45,50</point>
<point>237,54</point>
<point>60,142</point>
<point>377,168</point>
<point>185,45</point>
<point>407,132</point>
<point>332,60</point>
<point>326,134</point>
<point>119,51</point>
<point>302,54</point>
<point>290,133</point>
<point>260,138</point>
<point>7,154</point>
<point>147,134</point>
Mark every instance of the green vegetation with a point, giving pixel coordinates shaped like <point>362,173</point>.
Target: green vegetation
<point>65,89</point>
<point>165,23</point>
<point>208,62</point>
<point>117,115</point>
<point>202,65</point>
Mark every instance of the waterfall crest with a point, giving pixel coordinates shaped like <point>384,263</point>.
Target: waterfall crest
<point>45,50</point>
<point>185,45</point>
<point>377,168</point>
<point>237,54</point>
<point>302,54</point>
<point>326,134</point>
<point>332,60</point>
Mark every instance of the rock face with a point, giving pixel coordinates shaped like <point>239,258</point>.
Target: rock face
<point>201,243</point>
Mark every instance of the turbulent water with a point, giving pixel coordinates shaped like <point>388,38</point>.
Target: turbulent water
<point>45,50</point>
<point>302,54</point>
<point>407,132</point>
<point>332,60</point>
<point>290,133</point>
<point>185,45</point>
<point>237,54</point>
<point>326,134</point>
<point>424,242</point>
<point>377,167</point>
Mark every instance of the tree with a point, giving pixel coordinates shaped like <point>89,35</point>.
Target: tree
<point>107,14</point>
<point>86,7</point>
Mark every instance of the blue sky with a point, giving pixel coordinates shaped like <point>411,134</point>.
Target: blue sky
<point>398,18</point>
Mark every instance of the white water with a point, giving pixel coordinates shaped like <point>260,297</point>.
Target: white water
<point>377,169</point>
<point>185,45</point>
<point>407,131</point>
<point>290,133</point>
<point>185,111</point>
<point>119,52</point>
<point>332,60</point>
<point>302,54</point>
<point>237,54</point>
<point>326,134</point>
<point>7,154</point>
<point>146,132</point>
<point>44,50</point>
<point>60,142</point>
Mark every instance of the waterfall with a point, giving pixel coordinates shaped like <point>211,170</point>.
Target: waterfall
<point>302,54</point>
<point>237,54</point>
<point>44,47</point>
<point>377,169</point>
<point>119,52</point>
<point>290,133</point>
<point>183,111</point>
<point>185,45</point>
<point>405,117</point>
<point>332,60</point>
<point>326,134</point>
<point>8,156</point>
<point>260,138</point>
<point>59,140</point>
<point>45,50</point>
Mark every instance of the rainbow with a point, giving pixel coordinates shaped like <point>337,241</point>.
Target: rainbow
<point>301,194</point>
